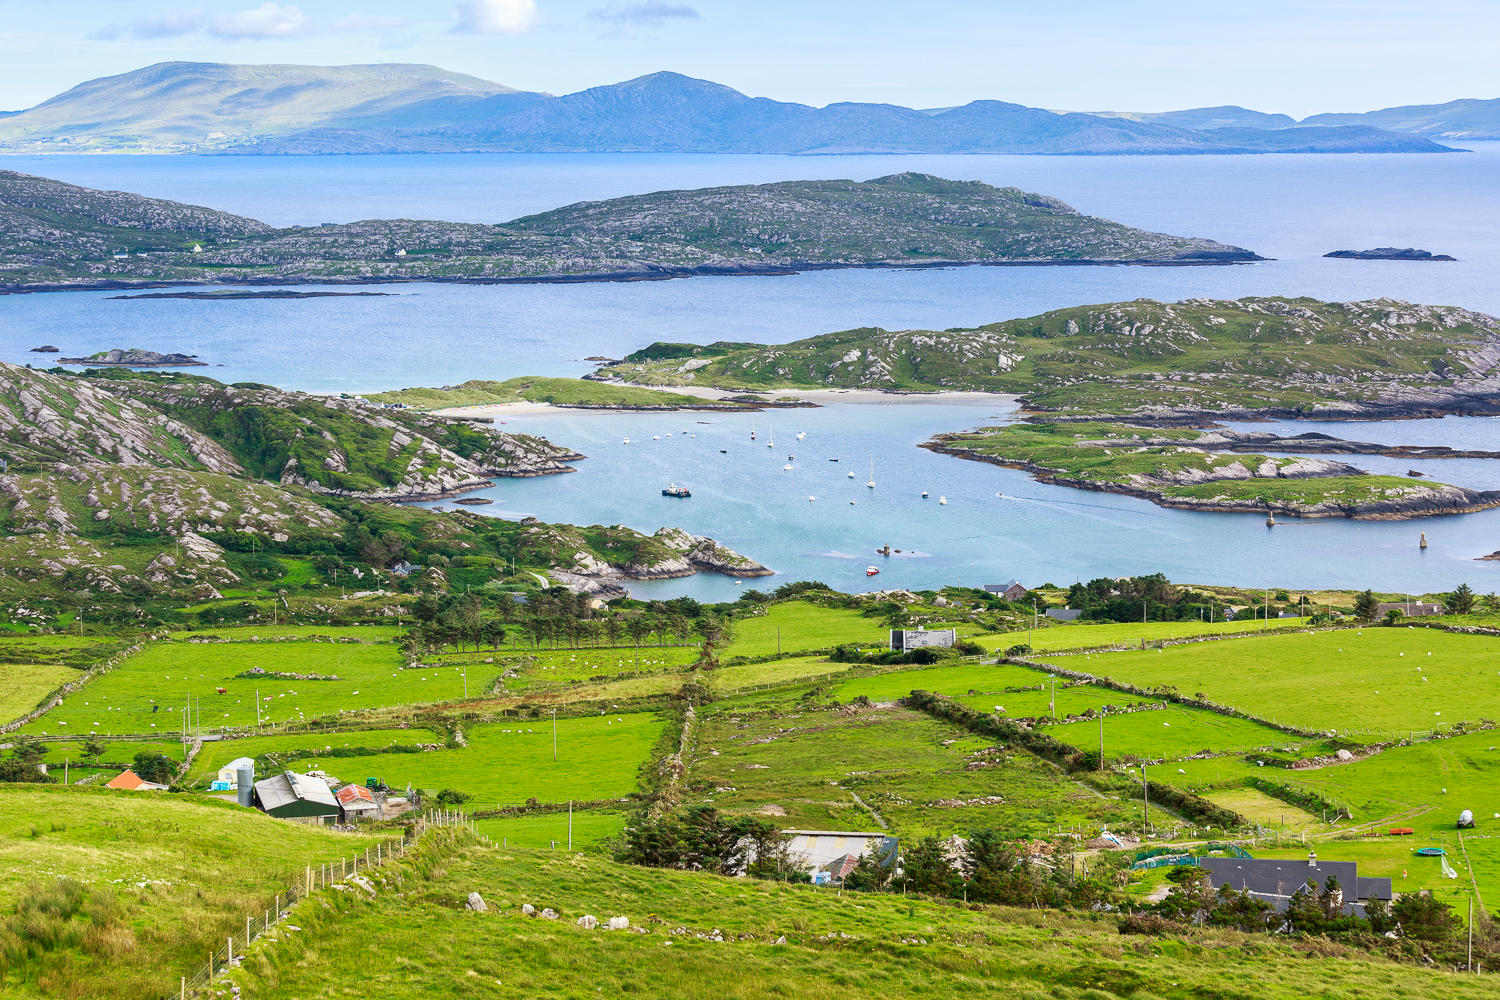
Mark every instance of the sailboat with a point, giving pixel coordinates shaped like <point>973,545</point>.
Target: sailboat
<point>770,435</point>
<point>871,483</point>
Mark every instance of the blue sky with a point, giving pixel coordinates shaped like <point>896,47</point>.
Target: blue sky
<point>1297,58</point>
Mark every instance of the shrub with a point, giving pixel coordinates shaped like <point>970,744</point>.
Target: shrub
<point>453,797</point>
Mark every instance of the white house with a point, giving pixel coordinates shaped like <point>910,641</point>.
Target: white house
<point>228,778</point>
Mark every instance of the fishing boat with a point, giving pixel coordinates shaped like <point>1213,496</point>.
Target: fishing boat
<point>680,492</point>
<point>871,571</point>
<point>943,501</point>
<point>871,483</point>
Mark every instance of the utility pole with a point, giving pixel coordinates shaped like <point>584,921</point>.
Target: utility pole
<point>570,847</point>
<point>1054,697</point>
<point>257,708</point>
<point>1101,740</point>
<point>1145,801</point>
<point>554,734</point>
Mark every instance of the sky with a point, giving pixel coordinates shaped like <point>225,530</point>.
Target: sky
<point>1296,57</point>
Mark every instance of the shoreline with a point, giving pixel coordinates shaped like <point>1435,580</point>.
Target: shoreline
<point>657,273</point>
<point>819,397</point>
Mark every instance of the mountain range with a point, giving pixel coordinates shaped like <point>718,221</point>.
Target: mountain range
<point>286,109</point>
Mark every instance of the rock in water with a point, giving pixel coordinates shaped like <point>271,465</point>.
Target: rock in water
<point>588,921</point>
<point>476,903</point>
<point>1389,253</point>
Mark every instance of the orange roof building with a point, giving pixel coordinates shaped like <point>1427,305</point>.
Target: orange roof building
<point>130,781</point>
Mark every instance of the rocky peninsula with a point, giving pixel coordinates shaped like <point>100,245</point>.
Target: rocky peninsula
<point>1389,253</point>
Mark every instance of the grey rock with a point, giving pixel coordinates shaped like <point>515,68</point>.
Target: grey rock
<point>549,913</point>
<point>588,921</point>
<point>476,903</point>
<point>619,923</point>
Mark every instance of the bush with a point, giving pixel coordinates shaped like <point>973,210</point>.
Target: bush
<point>1150,923</point>
<point>452,797</point>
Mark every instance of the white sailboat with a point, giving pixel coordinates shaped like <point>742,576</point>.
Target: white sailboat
<point>770,435</point>
<point>871,483</point>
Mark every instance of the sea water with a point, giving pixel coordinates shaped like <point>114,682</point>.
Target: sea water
<point>1289,208</point>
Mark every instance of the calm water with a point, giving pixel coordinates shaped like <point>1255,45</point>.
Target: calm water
<point>1291,208</point>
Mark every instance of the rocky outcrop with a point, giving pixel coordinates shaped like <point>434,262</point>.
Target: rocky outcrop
<point>137,358</point>
<point>1326,444</point>
<point>52,418</point>
<point>707,554</point>
<point>1389,253</point>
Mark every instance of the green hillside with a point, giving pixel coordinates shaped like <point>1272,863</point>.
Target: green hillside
<point>534,389</point>
<point>1192,357</point>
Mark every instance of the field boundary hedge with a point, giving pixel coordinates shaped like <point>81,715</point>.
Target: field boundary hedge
<point>1169,693</point>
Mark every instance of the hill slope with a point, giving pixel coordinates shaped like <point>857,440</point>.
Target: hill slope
<point>1179,361</point>
<point>1463,119</point>
<point>55,235</point>
<point>188,107</point>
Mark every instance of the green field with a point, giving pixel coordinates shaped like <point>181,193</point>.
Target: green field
<point>24,685</point>
<point>115,751</point>
<point>1385,680</point>
<point>507,763</point>
<point>793,668</point>
<point>183,871</point>
<point>988,682</point>
<point>803,626</point>
<point>1077,636</point>
<point>365,633</point>
<point>1169,733</point>
<point>165,675</point>
<point>539,831</point>
<point>838,946</point>
<point>569,666</point>
<point>535,389</point>
<point>216,755</point>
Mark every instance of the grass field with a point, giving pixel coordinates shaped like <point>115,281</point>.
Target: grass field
<point>163,676</point>
<point>988,682</point>
<point>569,666</point>
<point>539,831</point>
<point>115,751</point>
<point>508,763</point>
<point>216,755</point>
<point>839,947</point>
<point>365,633</point>
<point>1169,733</point>
<point>812,769</point>
<point>727,679</point>
<point>183,871</point>
<point>1262,809</point>
<point>803,626</point>
<point>1079,636</point>
<point>24,685</point>
<point>1390,680</point>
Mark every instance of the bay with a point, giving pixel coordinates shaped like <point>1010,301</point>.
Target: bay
<point>1290,208</point>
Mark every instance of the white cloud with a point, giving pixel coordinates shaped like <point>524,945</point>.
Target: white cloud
<point>269,20</point>
<point>650,14</point>
<point>368,22</point>
<point>171,25</point>
<point>495,17</point>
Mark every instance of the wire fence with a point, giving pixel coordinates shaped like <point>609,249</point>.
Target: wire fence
<point>325,875</point>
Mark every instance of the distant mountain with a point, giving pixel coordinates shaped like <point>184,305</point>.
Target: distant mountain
<point>189,105</point>
<point>196,107</point>
<point>1466,119</point>
<point>1207,119</point>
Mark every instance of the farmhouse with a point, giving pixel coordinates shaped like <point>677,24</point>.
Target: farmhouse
<point>1276,880</point>
<point>829,855</point>
<point>357,802</point>
<point>1412,609</point>
<point>131,781</point>
<point>298,797</point>
<point>922,638</point>
<point>1011,591</point>
<point>228,778</point>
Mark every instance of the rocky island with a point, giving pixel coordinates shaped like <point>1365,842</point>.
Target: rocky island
<point>1187,470</point>
<point>1389,253</point>
<point>1170,363</point>
<point>61,236</point>
<point>134,357</point>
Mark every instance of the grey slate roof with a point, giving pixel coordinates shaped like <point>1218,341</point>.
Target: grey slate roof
<point>289,788</point>
<point>1271,878</point>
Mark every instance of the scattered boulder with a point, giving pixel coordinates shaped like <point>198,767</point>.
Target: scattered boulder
<point>549,913</point>
<point>780,940</point>
<point>588,921</point>
<point>476,903</point>
<point>528,909</point>
<point>619,923</point>
<point>1344,755</point>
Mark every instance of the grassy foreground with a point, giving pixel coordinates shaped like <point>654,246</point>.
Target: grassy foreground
<point>698,935</point>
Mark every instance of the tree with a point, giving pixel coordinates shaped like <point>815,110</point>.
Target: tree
<point>926,868</point>
<point>1392,616</point>
<point>426,609</point>
<point>453,797</point>
<point>93,747</point>
<point>1461,601</point>
<point>1366,606</point>
<point>28,751</point>
<point>152,766</point>
<point>1425,918</point>
<point>1191,894</point>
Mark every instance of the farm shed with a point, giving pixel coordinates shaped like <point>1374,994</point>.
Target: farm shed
<point>823,850</point>
<point>358,802</point>
<point>227,780</point>
<point>1011,591</point>
<point>130,781</point>
<point>298,797</point>
<point>921,638</point>
<point>1276,880</point>
<point>1064,614</point>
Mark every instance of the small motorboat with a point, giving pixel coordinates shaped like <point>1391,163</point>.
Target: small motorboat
<point>943,501</point>
<point>811,499</point>
<point>802,435</point>
<point>851,503</point>
<point>680,492</point>
<point>791,458</point>
<point>656,437</point>
<point>851,475</point>
<point>872,571</point>
<point>924,494</point>
<point>723,451</point>
<point>787,467</point>
<point>627,440</point>
<point>833,460</point>
<point>999,494</point>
